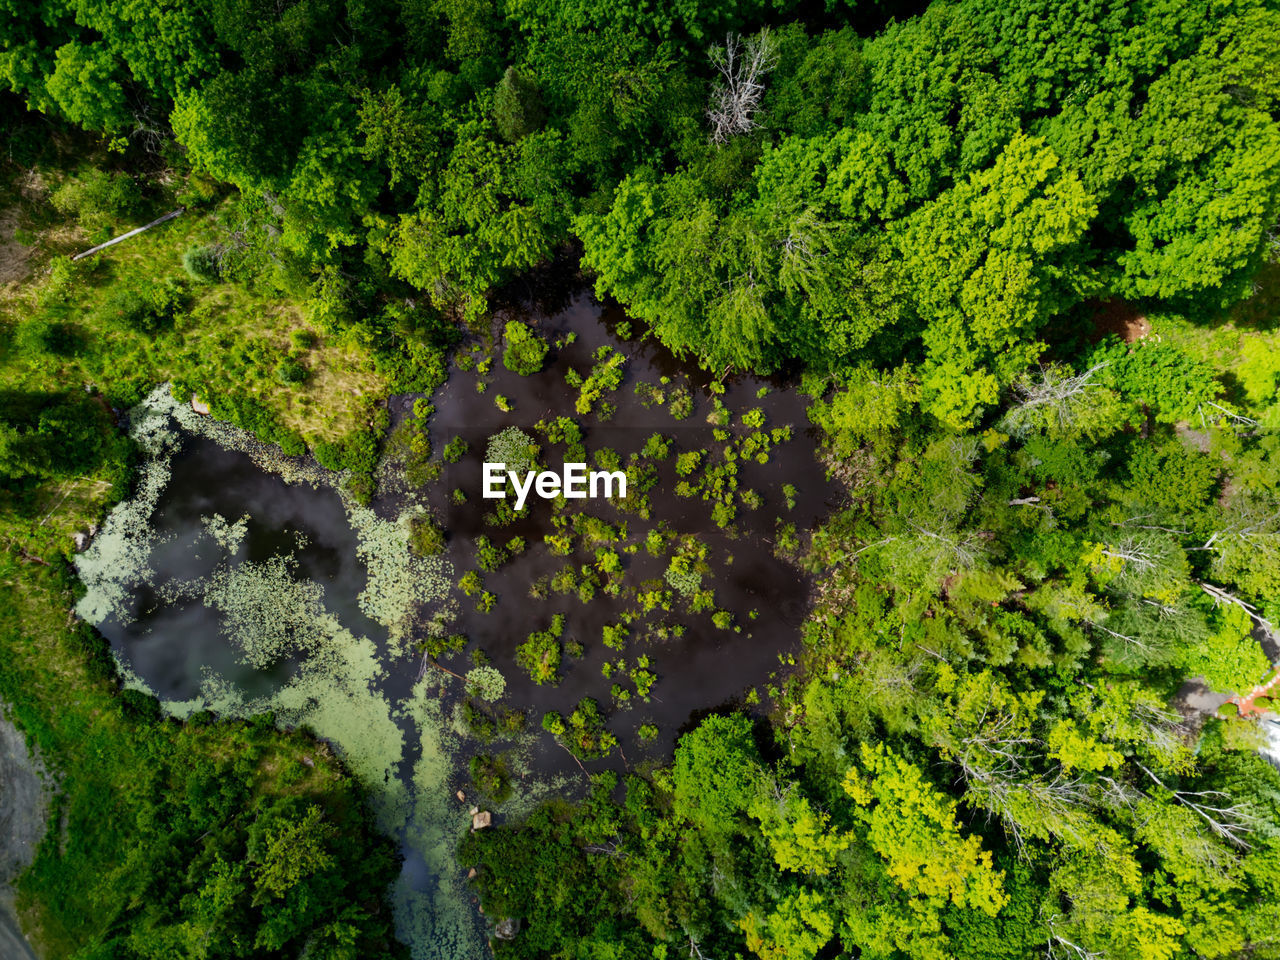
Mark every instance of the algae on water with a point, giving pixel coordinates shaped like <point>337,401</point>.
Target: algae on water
<point>269,612</point>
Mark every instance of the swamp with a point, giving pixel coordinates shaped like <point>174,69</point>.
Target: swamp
<point>457,653</point>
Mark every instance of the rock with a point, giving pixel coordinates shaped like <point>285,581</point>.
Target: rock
<point>462,797</point>
<point>308,761</point>
<point>471,874</point>
<point>473,811</point>
<point>507,928</point>
<point>199,406</point>
<point>81,540</point>
<point>481,820</point>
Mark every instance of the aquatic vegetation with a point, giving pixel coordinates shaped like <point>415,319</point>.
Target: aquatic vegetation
<point>229,536</point>
<point>513,448</point>
<point>118,558</point>
<point>267,612</point>
<point>487,683</point>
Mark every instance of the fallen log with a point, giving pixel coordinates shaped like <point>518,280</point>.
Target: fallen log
<point>132,233</point>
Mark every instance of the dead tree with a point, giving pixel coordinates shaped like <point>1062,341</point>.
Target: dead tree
<point>132,233</point>
<point>1057,395</point>
<point>1222,596</point>
<point>736,97</point>
<point>1232,822</point>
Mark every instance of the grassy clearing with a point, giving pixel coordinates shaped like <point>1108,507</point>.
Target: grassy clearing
<point>224,340</point>
<point>1243,346</point>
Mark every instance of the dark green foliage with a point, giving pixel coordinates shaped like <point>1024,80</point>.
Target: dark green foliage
<point>147,309</point>
<point>54,337</point>
<point>491,777</point>
<point>517,105</point>
<point>56,436</point>
<point>426,537</point>
<point>291,371</point>
<point>203,264</point>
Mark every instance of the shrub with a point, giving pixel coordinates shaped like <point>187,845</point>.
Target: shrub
<point>139,706</point>
<point>489,556</point>
<point>362,487</point>
<point>455,450</point>
<point>426,537</point>
<point>203,263</point>
<point>526,351</point>
<point>64,275</point>
<point>491,777</point>
<point>99,200</point>
<point>291,371</point>
<point>681,405</point>
<point>146,308</point>
<point>540,654</point>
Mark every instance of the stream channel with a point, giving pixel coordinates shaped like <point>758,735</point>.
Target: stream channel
<point>238,580</point>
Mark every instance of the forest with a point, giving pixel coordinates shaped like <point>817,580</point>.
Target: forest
<point>1019,258</point>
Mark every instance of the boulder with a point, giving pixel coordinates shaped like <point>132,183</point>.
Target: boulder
<point>481,820</point>
<point>507,928</point>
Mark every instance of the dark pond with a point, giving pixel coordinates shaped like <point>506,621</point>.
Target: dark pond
<point>170,644</point>
<point>767,596</point>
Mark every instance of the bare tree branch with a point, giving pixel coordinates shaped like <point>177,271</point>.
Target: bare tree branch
<point>736,98</point>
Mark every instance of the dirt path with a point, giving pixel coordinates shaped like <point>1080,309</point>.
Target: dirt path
<point>24,808</point>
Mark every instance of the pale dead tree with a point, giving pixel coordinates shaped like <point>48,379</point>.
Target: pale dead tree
<point>1233,822</point>
<point>1034,806</point>
<point>1163,726</point>
<point>1116,793</point>
<point>1255,523</point>
<point>1222,596</point>
<point>1134,522</point>
<point>1136,643</point>
<point>1166,612</point>
<point>1133,552</point>
<point>807,240</point>
<point>1224,414</point>
<point>962,550</point>
<point>743,65</point>
<point>1059,947</point>
<point>695,951</point>
<point>1050,393</point>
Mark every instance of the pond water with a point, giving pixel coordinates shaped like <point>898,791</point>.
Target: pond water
<point>174,642</point>
<point>242,589</point>
<point>767,596</point>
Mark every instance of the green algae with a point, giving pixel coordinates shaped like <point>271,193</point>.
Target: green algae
<point>269,613</point>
